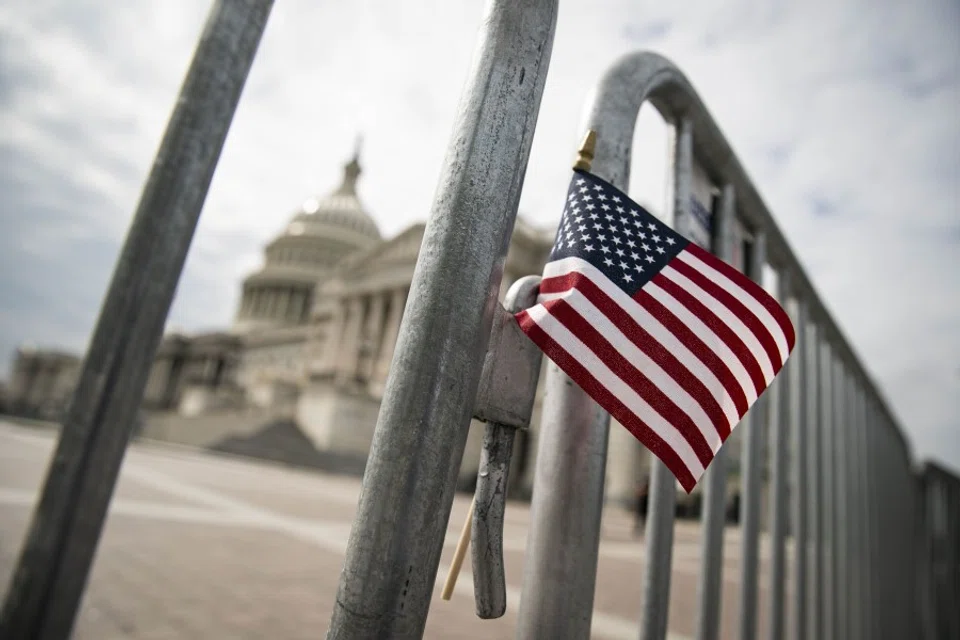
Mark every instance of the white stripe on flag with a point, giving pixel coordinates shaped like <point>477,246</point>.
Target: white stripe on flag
<point>663,380</point>
<point>727,316</point>
<point>660,333</point>
<point>751,303</point>
<point>705,333</point>
<point>617,387</point>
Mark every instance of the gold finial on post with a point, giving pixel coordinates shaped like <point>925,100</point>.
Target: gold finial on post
<point>585,155</point>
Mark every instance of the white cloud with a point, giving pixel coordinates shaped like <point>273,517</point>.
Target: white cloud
<point>844,114</point>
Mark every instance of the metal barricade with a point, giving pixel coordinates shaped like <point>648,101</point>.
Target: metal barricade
<point>874,543</point>
<point>938,534</point>
<point>849,465</point>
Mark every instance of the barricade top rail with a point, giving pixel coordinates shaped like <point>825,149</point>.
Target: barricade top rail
<point>658,80</point>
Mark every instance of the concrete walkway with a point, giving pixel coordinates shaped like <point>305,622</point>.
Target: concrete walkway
<point>207,546</point>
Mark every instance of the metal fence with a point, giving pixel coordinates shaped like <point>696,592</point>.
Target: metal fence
<point>875,542</point>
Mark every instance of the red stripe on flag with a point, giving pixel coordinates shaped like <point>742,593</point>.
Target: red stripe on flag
<point>697,347</point>
<point>648,344</point>
<point>751,287</point>
<point>607,400</point>
<point>737,308</point>
<point>723,331</point>
<point>633,377</point>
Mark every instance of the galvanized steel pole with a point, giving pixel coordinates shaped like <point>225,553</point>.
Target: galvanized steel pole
<point>560,569</point>
<point>713,516</point>
<point>855,537</point>
<point>876,520</point>
<point>840,587</point>
<point>408,488</point>
<point>663,485</point>
<point>784,410</point>
<point>801,442</point>
<point>815,451</point>
<point>826,505</point>
<point>753,446</point>
<point>52,572</point>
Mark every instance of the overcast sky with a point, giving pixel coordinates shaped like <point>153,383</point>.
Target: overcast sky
<point>844,113</point>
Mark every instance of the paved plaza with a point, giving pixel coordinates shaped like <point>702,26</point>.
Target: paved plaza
<point>207,546</point>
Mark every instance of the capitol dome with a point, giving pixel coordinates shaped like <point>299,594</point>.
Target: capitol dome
<point>339,215</point>
<point>321,234</point>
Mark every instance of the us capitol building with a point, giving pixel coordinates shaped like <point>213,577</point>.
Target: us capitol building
<point>300,374</point>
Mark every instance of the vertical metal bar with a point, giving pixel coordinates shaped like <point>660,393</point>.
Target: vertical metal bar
<point>397,538</point>
<point>53,569</point>
<point>856,511</point>
<point>805,423</point>
<point>839,571</point>
<point>663,485</point>
<point>877,574</point>
<point>884,501</point>
<point>715,479</point>
<point>814,450</point>
<point>783,409</point>
<point>753,446</point>
<point>825,596</point>
<point>560,568</point>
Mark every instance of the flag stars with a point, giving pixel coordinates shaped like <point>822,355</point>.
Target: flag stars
<point>649,258</point>
<point>671,241</point>
<point>627,277</point>
<point>660,250</point>
<point>608,262</point>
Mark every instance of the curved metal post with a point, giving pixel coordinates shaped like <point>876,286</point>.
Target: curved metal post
<point>397,538</point>
<point>827,427</point>
<point>815,451</point>
<point>560,569</point>
<point>713,517</point>
<point>801,445</point>
<point>663,486</point>
<point>753,446</point>
<point>840,588</point>
<point>783,412</point>
<point>49,580</point>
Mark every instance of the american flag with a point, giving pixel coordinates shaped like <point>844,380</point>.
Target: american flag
<point>673,342</point>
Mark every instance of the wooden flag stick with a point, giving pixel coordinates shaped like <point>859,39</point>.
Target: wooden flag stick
<point>459,553</point>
